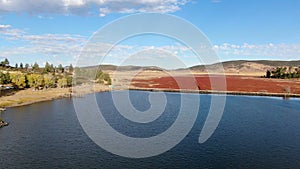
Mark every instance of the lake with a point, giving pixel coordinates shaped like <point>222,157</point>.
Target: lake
<point>254,132</point>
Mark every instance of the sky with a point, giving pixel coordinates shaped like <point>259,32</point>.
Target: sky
<point>56,31</point>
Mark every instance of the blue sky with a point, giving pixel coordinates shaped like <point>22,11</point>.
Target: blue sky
<point>55,31</point>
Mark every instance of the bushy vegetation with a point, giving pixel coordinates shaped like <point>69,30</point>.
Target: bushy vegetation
<point>92,74</point>
<point>4,63</point>
<point>18,80</point>
<point>4,78</point>
<point>284,73</point>
<point>47,77</point>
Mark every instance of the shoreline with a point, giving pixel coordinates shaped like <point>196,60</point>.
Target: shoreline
<point>40,99</point>
<point>234,93</point>
<point>28,96</point>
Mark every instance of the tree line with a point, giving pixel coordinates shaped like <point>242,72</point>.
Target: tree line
<point>49,68</point>
<point>284,73</point>
<point>45,77</point>
<point>34,80</point>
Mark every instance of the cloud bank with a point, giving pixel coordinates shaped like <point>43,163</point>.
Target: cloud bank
<point>86,7</point>
<point>68,46</point>
<point>278,51</point>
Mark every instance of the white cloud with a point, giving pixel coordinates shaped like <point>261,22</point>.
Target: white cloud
<point>85,7</point>
<point>4,27</point>
<point>7,30</point>
<point>134,6</point>
<point>43,46</point>
<point>276,51</point>
<point>10,33</point>
<point>68,47</point>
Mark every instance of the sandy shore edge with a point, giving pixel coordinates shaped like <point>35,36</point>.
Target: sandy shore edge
<point>29,96</point>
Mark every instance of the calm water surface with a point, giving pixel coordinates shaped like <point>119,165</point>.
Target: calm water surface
<point>255,132</point>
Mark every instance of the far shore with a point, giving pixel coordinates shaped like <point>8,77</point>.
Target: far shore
<point>283,95</point>
<point>28,96</point>
<point>160,82</point>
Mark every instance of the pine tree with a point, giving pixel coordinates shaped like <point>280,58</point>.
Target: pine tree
<point>71,69</point>
<point>60,68</point>
<point>6,62</point>
<point>47,68</point>
<point>35,66</point>
<point>26,66</point>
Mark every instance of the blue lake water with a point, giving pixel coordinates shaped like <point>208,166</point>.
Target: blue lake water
<point>255,132</point>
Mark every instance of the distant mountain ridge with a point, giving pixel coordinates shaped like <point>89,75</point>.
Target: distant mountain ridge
<point>229,66</point>
<point>248,65</point>
<point>262,62</point>
<point>126,68</point>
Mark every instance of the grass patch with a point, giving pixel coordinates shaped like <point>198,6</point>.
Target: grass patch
<point>6,103</point>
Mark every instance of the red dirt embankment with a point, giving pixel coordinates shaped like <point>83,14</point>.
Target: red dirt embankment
<point>233,84</point>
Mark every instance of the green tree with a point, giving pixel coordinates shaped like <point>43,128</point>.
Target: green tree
<point>47,68</point>
<point>7,78</point>
<point>107,78</point>
<point>60,68</point>
<point>99,74</point>
<point>99,77</point>
<point>4,78</point>
<point>26,66</point>
<point>69,81</point>
<point>279,72</point>
<point>16,66</point>
<point>71,68</point>
<point>6,62</point>
<point>268,74</point>
<point>286,72</point>
<point>35,67</point>
<point>1,78</point>
<point>21,65</point>
<point>52,69</point>
<point>103,78</point>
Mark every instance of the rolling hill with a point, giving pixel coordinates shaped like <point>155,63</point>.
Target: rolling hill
<point>253,67</point>
<point>246,66</point>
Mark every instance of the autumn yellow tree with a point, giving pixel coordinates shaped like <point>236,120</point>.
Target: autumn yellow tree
<point>18,80</point>
<point>36,81</point>
<point>49,81</point>
<point>63,82</point>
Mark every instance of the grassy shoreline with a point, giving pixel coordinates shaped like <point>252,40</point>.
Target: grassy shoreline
<point>30,96</point>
